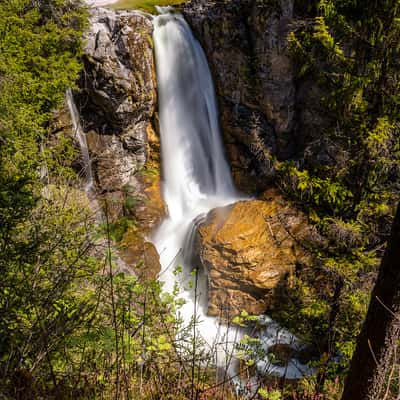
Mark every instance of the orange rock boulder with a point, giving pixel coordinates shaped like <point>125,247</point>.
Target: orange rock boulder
<point>248,249</point>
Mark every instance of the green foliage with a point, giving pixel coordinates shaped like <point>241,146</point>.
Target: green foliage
<point>244,318</point>
<point>44,260</point>
<point>316,193</point>
<point>273,395</point>
<point>117,229</point>
<point>353,308</point>
<point>39,45</point>
<point>351,51</point>
<point>322,35</point>
<point>145,5</point>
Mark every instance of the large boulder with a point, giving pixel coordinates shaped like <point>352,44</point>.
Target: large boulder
<point>248,250</point>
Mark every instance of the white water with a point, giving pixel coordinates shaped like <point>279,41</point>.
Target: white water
<point>196,176</point>
<point>81,138</point>
<point>196,179</point>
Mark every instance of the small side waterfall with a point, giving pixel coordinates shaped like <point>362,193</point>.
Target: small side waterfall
<point>196,176</point>
<point>79,134</point>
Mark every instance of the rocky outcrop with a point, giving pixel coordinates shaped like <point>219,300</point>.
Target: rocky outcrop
<point>248,250</point>
<point>265,110</point>
<point>117,101</point>
<point>119,78</point>
<point>118,96</point>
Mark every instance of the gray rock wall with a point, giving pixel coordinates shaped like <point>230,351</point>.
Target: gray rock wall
<point>117,102</point>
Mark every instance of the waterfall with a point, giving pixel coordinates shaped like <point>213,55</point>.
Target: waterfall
<point>81,137</point>
<point>196,175</point>
<point>196,179</point>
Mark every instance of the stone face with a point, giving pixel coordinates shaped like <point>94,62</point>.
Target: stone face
<point>117,103</point>
<point>265,109</point>
<point>117,100</point>
<point>119,79</point>
<point>248,250</point>
<point>117,97</point>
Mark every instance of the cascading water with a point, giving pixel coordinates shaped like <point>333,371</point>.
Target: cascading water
<point>196,179</point>
<point>196,176</point>
<point>80,136</point>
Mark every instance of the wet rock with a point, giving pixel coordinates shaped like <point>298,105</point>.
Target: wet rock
<point>248,249</point>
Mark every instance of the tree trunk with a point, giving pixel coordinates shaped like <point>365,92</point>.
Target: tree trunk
<point>376,346</point>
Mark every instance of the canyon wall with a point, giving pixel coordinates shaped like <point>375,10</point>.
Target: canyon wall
<point>265,109</point>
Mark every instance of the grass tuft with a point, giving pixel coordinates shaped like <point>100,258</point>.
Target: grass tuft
<point>144,5</point>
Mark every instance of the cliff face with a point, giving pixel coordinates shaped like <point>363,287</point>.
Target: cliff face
<point>117,102</point>
<point>117,99</point>
<point>264,109</point>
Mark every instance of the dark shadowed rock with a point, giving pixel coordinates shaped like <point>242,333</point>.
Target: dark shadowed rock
<point>265,108</point>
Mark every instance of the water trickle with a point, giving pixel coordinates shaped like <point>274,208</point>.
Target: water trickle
<point>81,137</point>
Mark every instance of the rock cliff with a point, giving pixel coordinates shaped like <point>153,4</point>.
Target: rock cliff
<point>117,102</point>
<point>118,98</point>
<point>265,109</point>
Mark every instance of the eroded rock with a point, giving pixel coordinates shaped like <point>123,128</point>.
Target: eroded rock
<point>119,79</point>
<point>117,102</point>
